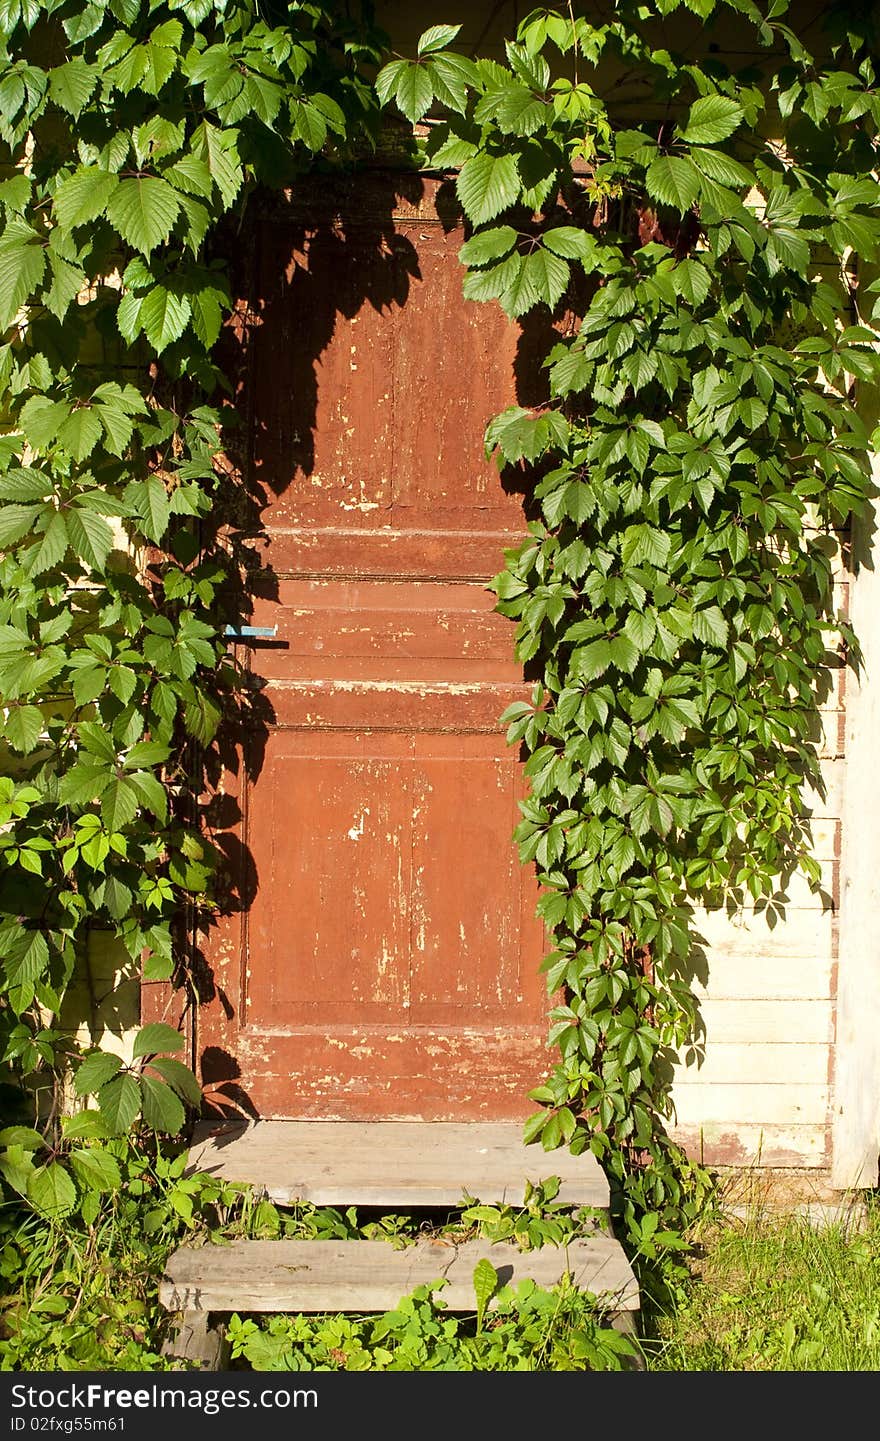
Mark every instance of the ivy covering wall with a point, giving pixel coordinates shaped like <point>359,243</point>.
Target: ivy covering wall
<point>699,450</point>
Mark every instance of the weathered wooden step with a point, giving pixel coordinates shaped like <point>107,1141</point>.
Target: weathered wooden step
<point>391,1163</point>
<point>368,1276</point>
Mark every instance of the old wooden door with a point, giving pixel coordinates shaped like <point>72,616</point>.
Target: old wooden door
<point>387,962</point>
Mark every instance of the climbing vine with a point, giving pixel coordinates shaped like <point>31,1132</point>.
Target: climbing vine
<point>698,455</point>
<point>690,228</point>
<point>129,131</point>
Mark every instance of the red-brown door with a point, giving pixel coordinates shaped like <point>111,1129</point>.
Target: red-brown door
<point>387,962</point>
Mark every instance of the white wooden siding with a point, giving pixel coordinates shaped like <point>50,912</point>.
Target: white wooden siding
<point>761,1092</point>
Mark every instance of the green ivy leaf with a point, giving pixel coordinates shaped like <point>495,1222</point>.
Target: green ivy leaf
<point>155,1037</point>
<point>623,653</point>
<point>95,739</point>
<point>639,368</point>
<point>41,420</point>
<point>51,1191</point>
<point>17,1168</point>
<point>85,1125</point>
<point>24,1136</point>
<point>645,542</point>
<point>207,314</point>
<point>591,661</point>
<point>67,282</point>
<point>118,428</point>
<point>310,127</point>
<point>117,897</point>
<point>550,276</point>
<point>95,1169</point>
<point>673,181</point>
<point>120,1102</point>
<point>163,317</point>
<point>488,245</point>
<point>52,547</point>
<point>712,118</point>
<point>161,57</point>
<point>150,791</point>
<point>17,521</point>
<point>486,185</point>
<point>641,630</point>
<point>94,1071</point>
<point>710,626</point>
<point>192,175</point>
<point>155,511</point>
<point>119,804</point>
<point>84,22</point>
<point>179,1077</point>
<point>437,37</point>
<point>410,83</point>
<point>143,210</point>
<point>162,1109</point>
<point>721,168</point>
<point>485,1286</point>
<point>71,85</point>
<point>146,753</point>
<point>83,197</point>
<point>24,485</point>
<point>221,156</point>
<point>23,727</point>
<point>785,247</point>
<point>551,1136</point>
<point>202,718</point>
<point>15,193</point>
<point>451,77</point>
<point>533,1127</point>
<point>692,281</point>
<point>80,432</point>
<point>123,683</point>
<point>518,110</point>
<point>22,265</point>
<point>521,292</point>
<point>571,243</point>
<point>128,316</point>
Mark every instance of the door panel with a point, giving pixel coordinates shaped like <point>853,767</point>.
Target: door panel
<point>385,959</point>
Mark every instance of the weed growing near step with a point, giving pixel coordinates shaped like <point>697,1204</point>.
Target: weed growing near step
<point>764,1293</point>
<point>81,1288</point>
<point>541,1220</point>
<point>528,1329</point>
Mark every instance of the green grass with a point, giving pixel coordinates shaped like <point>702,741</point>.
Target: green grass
<point>774,1293</point>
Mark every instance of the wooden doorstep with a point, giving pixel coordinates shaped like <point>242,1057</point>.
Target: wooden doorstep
<point>371,1276</point>
<point>195,1341</point>
<point>391,1163</point>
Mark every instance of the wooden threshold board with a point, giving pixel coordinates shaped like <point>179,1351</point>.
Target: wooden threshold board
<point>391,1163</point>
<point>370,1276</point>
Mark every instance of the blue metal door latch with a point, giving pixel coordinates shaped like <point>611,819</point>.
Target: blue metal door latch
<point>247,632</point>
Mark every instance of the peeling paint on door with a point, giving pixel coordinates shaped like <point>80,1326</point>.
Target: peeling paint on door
<point>387,962</point>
